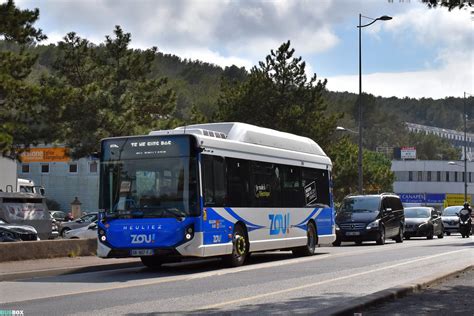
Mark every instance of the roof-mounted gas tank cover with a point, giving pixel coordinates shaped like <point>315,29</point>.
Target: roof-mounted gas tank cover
<point>246,133</point>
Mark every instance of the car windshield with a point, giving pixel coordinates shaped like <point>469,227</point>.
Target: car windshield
<point>417,212</point>
<point>360,204</point>
<point>451,210</point>
<point>58,215</point>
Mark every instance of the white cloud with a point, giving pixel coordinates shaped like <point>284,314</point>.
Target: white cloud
<point>213,57</point>
<point>452,79</point>
<point>450,73</point>
<point>226,32</point>
<point>435,27</point>
<point>245,29</point>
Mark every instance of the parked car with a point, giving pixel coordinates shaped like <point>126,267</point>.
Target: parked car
<point>450,219</point>
<point>89,231</point>
<point>78,223</point>
<point>59,216</point>
<point>423,222</point>
<point>15,232</point>
<point>54,229</point>
<point>18,208</point>
<point>370,218</point>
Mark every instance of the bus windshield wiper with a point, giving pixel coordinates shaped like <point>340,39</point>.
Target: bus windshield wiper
<point>159,211</point>
<point>175,212</point>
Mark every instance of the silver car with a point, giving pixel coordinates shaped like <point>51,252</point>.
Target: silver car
<point>89,231</point>
<point>85,220</point>
<point>450,219</point>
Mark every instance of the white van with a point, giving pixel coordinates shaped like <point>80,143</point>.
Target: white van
<point>28,186</point>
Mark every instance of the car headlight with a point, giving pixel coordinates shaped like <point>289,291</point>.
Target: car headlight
<point>422,224</point>
<point>337,227</point>
<point>374,224</point>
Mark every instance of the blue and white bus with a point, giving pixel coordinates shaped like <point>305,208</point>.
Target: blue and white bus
<point>219,189</point>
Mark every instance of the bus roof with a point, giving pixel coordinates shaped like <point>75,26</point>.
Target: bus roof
<point>250,134</point>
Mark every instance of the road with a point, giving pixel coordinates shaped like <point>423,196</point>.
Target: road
<point>271,283</point>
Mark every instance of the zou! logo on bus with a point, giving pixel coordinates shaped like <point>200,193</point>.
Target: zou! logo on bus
<point>143,238</point>
<point>279,223</point>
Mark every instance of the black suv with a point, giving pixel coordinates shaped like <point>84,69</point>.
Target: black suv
<point>370,218</point>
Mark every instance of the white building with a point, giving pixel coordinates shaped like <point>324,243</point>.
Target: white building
<point>432,182</point>
<point>63,178</point>
<point>456,138</point>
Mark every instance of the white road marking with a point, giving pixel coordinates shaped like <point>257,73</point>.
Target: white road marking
<point>255,297</point>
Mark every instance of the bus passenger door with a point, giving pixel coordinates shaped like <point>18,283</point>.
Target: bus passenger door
<point>215,227</point>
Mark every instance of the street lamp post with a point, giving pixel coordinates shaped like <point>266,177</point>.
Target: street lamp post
<point>360,26</point>
<point>345,129</point>
<point>465,145</point>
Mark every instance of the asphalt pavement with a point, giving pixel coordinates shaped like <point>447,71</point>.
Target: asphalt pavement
<point>336,280</point>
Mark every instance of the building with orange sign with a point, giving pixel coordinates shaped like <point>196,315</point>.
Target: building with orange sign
<point>62,177</point>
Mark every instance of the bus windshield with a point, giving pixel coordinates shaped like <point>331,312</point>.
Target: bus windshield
<point>157,183</point>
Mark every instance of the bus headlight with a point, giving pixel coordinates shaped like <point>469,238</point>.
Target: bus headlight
<point>102,236</point>
<point>189,233</point>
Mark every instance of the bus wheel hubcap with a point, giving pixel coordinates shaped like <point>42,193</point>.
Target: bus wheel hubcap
<point>240,245</point>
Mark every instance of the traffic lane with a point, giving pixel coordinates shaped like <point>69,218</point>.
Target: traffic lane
<point>102,281</point>
<point>244,285</point>
<point>195,269</point>
<point>250,292</point>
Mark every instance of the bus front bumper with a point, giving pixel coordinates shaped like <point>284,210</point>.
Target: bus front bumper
<point>192,248</point>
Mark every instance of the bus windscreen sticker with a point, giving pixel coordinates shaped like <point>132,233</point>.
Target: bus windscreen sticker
<point>310,193</point>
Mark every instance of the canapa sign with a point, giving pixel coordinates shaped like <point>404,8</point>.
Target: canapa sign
<point>55,154</point>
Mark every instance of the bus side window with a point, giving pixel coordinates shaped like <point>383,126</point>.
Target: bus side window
<point>266,182</point>
<point>237,182</point>
<point>214,189</point>
<point>208,180</point>
<point>292,190</point>
<point>321,184</point>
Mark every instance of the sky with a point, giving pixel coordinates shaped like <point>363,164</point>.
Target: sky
<point>420,53</point>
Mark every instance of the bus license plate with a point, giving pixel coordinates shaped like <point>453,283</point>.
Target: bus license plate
<point>141,252</point>
<point>352,234</point>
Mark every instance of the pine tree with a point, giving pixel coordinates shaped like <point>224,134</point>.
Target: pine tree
<point>22,106</point>
<point>110,92</point>
<point>277,94</point>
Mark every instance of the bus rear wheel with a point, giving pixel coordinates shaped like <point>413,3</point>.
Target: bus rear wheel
<point>240,248</point>
<point>311,244</point>
<point>152,262</point>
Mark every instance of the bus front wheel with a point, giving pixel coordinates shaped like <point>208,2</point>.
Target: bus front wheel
<point>311,244</point>
<point>240,248</point>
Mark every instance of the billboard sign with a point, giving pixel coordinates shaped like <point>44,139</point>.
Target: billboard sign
<point>424,198</point>
<point>456,199</point>
<point>412,197</point>
<point>408,153</point>
<point>53,154</point>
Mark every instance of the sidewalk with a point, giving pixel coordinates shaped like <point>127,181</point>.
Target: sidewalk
<point>451,296</point>
<point>12,270</point>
